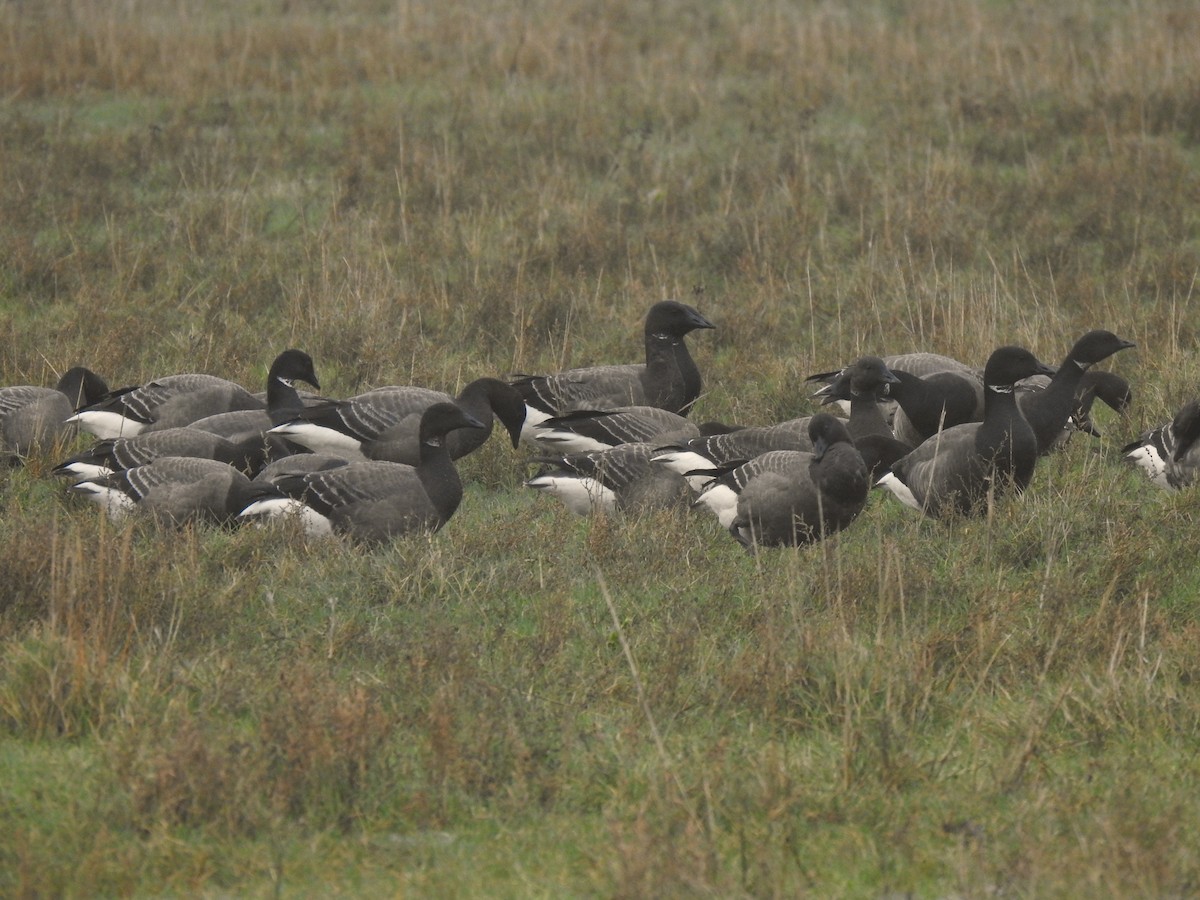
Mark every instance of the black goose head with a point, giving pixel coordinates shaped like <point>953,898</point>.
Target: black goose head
<point>824,431</point>
<point>1097,346</point>
<point>866,375</point>
<point>1107,386</point>
<point>293,365</point>
<point>507,405</point>
<point>673,319</point>
<point>82,386</point>
<point>440,419</point>
<point>1008,365</point>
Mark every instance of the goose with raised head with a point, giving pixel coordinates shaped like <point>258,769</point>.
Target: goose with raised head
<point>1048,411</point>
<point>178,400</point>
<point>669,378</point>
<point>957,469</point>
<point>374,501</point>
<point>283,401</point>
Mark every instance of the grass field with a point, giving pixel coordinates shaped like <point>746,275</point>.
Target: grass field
<point>530,704</point>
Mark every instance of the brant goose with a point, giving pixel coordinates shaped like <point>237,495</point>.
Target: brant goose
<point>927,404</point>
<point>954,469</point>
<point>584,430</point>
<point>668,379</point>
<point>859,383</point>
<point>106,457</point>
<point>1047,411</point>
<point>374,501</point>
<point>700,458</point>
<point>32,417</point>
<point>817,495</point>
<point>621,478</point>
<point>385,424</point>
<point>173,490</point>
<point>177,400</point>
<point>299,464</point>
<point>1109,387</point>
<point>283,401</point>
<point>1170,453</point>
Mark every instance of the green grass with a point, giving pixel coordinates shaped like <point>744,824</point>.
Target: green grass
<point>530,704</point>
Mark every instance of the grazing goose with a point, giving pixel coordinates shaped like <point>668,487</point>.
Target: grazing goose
<point>1170,453</point>
<point>860,383</point>
<point>668,379</point>
<point>954,469</point>
<point>106,457</point>
<point>584,430</point>
<point>1109,387</point>
<point>178,400</point>
<point>696,459</point>
<point>815,497</point>
<point>32,417</point>
<point>1047,411</point>
<point>930,403</point>
<point>620,478</point>
<point>374,501</point>
<point>283,401</point>
<point>385,424</point>
<point>173,490</point>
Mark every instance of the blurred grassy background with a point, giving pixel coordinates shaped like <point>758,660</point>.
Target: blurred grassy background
<point>426,193</point>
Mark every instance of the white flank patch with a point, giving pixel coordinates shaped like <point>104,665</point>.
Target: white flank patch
<point>582,496</point>
<point>562,441</point>
<point>105,425</point>
<point>1147,459</point>
<point>721,501</point>
<point>315,524</point>
<point>685,461</point>
<point>116,503</point>
<point>533,418</point>
<point>319,439</point>
<point>899,489</point>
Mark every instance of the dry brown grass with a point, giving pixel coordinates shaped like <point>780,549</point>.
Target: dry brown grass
<point>424,194</point>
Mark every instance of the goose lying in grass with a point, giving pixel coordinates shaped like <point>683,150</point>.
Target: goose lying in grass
<point>1170,453</point>
<point>958,468</point>
<point>178,400</point>
<point>385,423</point>
<point>816,495</point>
<point>374,501</point>
<point>32,418</point>
<point>669,378</point>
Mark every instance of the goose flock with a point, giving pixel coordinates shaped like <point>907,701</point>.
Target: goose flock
<point>942,436</point>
